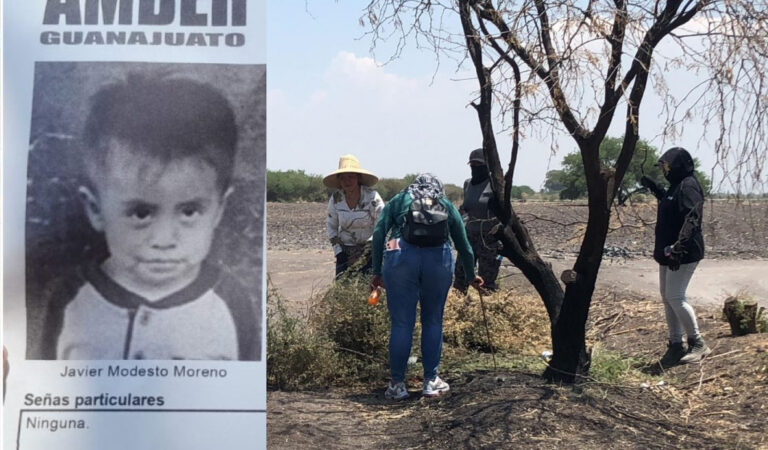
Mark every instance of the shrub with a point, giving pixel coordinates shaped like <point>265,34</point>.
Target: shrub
<point>521,192</point>
<point>612,367</point>
<point>346,340</point>
<point>359,332</point>
<point>297,356</point>
<point>388,187</point>
<point>298,186</point>
<point>454,193</point>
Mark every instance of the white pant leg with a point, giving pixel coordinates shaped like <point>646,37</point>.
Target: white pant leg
<point>679,313</point>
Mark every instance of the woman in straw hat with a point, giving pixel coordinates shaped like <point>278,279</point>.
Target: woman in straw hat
<point>352,211</point>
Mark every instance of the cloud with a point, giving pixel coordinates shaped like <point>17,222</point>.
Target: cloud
<point>394,124</point>
<point>363,71</point>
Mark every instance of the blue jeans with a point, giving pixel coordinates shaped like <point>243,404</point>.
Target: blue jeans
<point>416,274</point>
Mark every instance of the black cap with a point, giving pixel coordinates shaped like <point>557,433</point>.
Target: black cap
<point>477,156</point>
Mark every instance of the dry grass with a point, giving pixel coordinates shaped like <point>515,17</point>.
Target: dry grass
<point>726,394</point>
<point>342,331</point>
<point>298,357</point>
<point>359,332</point>
<point>517,322</point>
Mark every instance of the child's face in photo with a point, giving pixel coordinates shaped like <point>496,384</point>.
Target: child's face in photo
<point>158,218</point>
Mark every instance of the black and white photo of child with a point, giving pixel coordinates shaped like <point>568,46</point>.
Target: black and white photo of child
<point>145,207</point>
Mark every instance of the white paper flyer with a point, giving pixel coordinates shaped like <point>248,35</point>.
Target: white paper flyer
<point>134,143</point>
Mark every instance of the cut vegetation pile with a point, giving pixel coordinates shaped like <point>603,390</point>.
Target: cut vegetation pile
<point>517,322</point>
<point>351,338</point>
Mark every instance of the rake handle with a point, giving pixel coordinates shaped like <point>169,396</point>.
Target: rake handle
<point>487,331</point>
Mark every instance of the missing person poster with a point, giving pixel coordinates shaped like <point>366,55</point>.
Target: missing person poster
<point>133,224</point>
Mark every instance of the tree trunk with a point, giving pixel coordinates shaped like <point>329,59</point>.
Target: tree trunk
<point>517,244</point>
<point>518,248</point>
<point>570,359</point>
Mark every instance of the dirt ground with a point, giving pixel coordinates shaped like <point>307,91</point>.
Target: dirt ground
<point>731,230</point>
<point>720,403</point>
<point>717,404</point>
<point>298,274</point>
<point>300,260</point>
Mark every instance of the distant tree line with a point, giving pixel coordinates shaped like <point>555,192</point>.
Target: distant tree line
<point>568,183</point>
<point>571,183</point>
<point>295,186</point>
<point>299,186</point>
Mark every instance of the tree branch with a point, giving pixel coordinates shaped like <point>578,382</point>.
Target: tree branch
<point>579,133</point>
<point>483,108</point>
<point>504,55</point>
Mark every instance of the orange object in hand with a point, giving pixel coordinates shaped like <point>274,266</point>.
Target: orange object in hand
<point>373,299</point>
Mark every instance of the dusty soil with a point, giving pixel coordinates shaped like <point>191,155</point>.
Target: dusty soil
<point>720,403</point>
<point>298,274</point>
<point>486,410</point>
<point>300,261</point>
<point>731,230</point>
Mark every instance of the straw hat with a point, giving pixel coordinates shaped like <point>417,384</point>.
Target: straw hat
<point>349,164</point>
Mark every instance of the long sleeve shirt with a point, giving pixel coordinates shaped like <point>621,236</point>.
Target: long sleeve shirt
<point>393,218</point>
<point>680,210</point>
<point>352,226</point>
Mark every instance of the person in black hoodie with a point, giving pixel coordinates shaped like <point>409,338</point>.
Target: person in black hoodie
<point>678,249</point>
<point>478,221</point>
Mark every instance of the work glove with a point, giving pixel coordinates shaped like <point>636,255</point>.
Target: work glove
<point>673,254</point>
<point>341,257</point>
<point>674,263</point>
<point>647,182</point>
<point>651,185</point>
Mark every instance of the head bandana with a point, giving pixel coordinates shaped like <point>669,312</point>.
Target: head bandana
<point>426,185</point>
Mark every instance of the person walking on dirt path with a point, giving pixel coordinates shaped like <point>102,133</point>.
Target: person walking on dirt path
<point>417,268</point>
<point>353,211</point>
<point>678,249</point>
<point>479,220</point>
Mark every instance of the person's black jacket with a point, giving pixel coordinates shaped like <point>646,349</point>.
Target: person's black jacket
<point>678,220</point>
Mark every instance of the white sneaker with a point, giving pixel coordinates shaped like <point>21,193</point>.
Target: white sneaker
<point>435,388</point>
<point>396,391</point>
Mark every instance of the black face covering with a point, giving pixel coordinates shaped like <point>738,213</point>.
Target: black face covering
<point>479,174</point>
<point>680,164</point>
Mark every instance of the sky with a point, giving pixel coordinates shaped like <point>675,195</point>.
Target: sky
<point>329,96</point>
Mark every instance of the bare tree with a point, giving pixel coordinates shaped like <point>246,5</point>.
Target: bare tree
<point>575,66</point>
